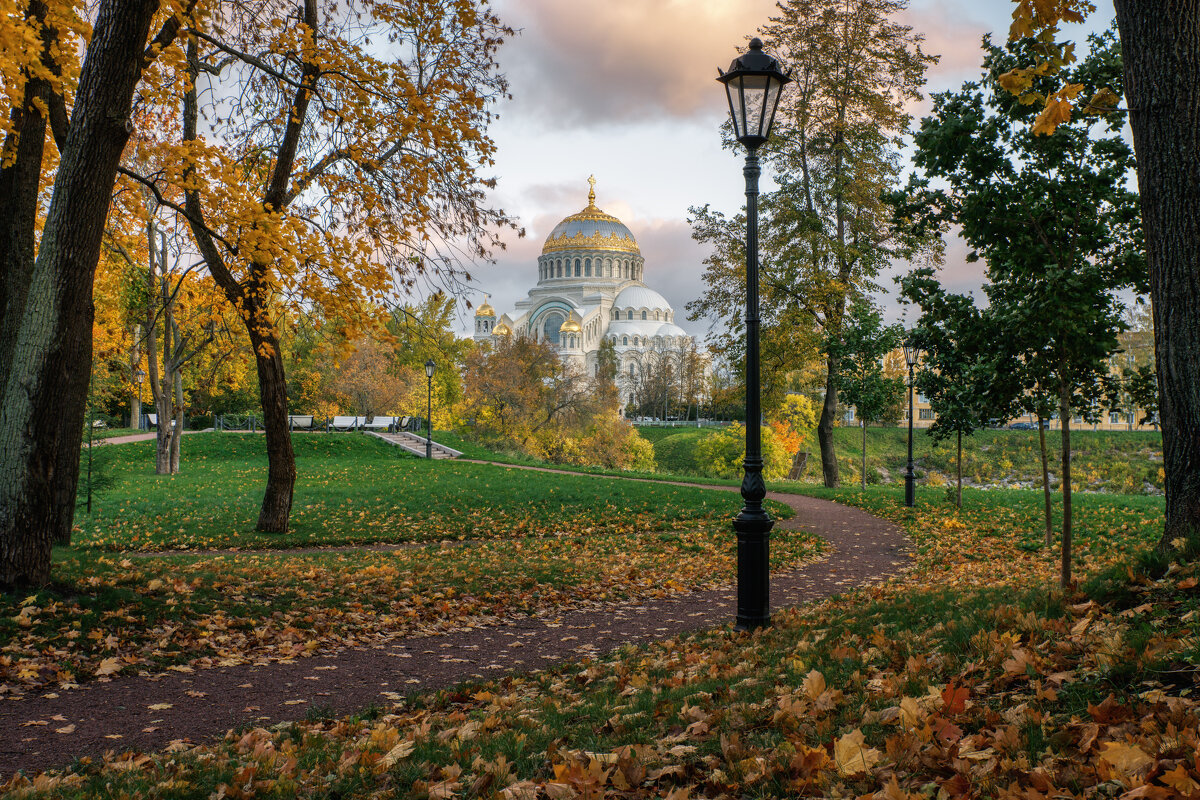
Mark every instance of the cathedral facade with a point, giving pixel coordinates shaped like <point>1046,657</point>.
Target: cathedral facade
<point>590,288</point>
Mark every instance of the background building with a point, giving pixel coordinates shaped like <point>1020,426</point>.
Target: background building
<point>590,288</point>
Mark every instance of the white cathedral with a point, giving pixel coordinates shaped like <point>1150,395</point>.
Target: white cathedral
<point>589,289</point>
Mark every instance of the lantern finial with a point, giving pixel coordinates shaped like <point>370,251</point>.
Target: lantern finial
<point>592,190</point>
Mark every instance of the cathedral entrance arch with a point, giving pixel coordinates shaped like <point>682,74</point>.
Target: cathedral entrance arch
<point>549,318</point>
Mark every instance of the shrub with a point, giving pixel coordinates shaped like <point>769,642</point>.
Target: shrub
<point>721,454</point>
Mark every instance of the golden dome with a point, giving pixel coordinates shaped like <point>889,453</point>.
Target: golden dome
<point>501,330</point>
<point>571,326</point>
<point>485,310</point>
<point>591,229</point>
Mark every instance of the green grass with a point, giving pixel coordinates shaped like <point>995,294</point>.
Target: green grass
<point>760,715</point>
<point>354,489</point>
<point>1122,462</point>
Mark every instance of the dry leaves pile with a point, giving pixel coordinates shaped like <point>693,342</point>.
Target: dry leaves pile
<point>971,676</point>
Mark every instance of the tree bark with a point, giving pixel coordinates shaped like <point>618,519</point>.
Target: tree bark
<point>281,459</point>
<point>1064,414</point>
<point>44,392</point>
<point>829,464</point>
<point>864,453</point>
<point>1041,423</point>
<point>960,469</point>
<point>1160,44</point>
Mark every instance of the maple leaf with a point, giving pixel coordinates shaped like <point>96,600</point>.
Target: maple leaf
<point>1128,758</point>
<point>852,756</point>
<point>954,699</point>
<point>1179,780</point>
<point>108,666</point>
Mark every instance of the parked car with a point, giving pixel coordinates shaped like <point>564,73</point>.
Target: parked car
<point>1020,426</point>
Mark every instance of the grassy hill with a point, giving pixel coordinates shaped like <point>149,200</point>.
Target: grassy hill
<point>1127,462</point>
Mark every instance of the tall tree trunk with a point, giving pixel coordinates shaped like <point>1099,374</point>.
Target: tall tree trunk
<point>135,364</point>
<point>1160,46</point>
<point>829,464</point>
<point>1041,423</point>
<point>177,428</point>
<point>960,469</point>
<point>281,459</point>
<point>44,392</point>
<point>864,453</point>
<point>1064,414</point>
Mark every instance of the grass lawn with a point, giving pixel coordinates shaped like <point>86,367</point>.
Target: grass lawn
<point>972,675</point>
<point>474,542</point>
<point>354,489</point>
<point>1124,462</point>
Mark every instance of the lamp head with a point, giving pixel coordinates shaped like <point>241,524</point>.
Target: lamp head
<point>429,368</point>
<point>753,84</point>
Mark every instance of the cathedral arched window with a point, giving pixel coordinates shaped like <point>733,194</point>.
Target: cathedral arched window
<point>578,269</point>
<point>608,267</point>
<point>656,314</point>
<point>587,267</point>
<point>630,314</point>
<point>625,340</point>
<point>558,268</point>
<point>643,314</point>
<point>632,369</point>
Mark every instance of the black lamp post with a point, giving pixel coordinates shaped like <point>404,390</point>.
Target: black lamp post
<point>429,408</point>
<point>911,354</point>
<point>753,85</point>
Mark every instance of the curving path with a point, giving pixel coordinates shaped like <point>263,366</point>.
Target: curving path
<point>118,715</point>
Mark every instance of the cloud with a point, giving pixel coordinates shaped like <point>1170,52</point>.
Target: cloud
<point>623,60</point>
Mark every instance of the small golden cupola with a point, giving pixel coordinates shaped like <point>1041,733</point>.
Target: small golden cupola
<point>571,326</point>
<point>501,330</point>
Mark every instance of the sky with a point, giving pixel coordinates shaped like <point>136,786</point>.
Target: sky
<point>626,90</point>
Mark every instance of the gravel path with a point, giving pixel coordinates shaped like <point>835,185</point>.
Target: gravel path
<point>147,713</point>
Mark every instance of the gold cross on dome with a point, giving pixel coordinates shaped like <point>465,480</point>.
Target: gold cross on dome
<point>592,190</point>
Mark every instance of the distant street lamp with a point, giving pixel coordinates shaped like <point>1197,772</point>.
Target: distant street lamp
<point>429,408</point>
<point>911,354</point>
<point>752,86</point>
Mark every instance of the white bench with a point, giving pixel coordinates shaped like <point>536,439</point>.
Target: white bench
<point>378,422</point>
<point>153,419</point>
<point>343,423</point>
<point>302,421</point>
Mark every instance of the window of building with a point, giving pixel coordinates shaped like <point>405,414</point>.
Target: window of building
<point>921,399</point>
<point>587,267</point>
<point>625,340</point>
<point>630,314</point>
<point>849,415</point>
<point>1129,419</point>
<point>631,369</point>
<point>1114,418</point>
<point>925,413</point>
<point>643,315</point>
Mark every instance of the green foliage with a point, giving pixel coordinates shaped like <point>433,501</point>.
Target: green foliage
<point>721,454</point>
<point>353,488</point>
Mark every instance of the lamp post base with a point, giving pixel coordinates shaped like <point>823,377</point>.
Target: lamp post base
<point>753,529</point>
<point>909,486</point>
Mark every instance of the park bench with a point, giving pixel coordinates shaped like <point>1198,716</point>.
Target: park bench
<point>300,421</point>
<point>153,420</point>
<point>342,424</point>
<point>402,423</point>
<point>378,422</point>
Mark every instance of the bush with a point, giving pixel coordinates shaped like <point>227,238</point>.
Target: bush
<point>721,454</point>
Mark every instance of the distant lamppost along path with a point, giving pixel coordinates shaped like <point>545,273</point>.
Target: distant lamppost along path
<point>753,85</point>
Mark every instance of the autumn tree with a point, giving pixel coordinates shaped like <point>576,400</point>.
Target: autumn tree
<point>824,235</point>
<point>317,167</point>
<point>50,237</point>
<point>1161,82</point>
<point>1054,220</point>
